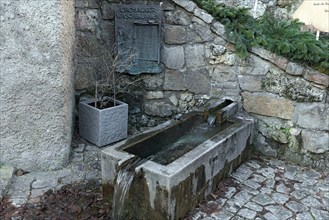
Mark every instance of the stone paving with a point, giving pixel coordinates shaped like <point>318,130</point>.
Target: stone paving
<point>84,166</point>
<point>258,189</point>
<point>262,189</point>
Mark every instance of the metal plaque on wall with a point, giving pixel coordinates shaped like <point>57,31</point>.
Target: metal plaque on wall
<point>138,37</point>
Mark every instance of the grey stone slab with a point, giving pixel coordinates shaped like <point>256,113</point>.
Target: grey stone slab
<point>299,194</point>
<point>263,199</point>
<point>323,185</point>
<point>203,15</point>
<point>194,56</point>
<point>254,206</point>
<point>282,188</point>
<point>223,215</point>
<point>232,206</point>
<point>304,216</point>
<point>294,69</point>
<point>199,215</point>
<point>173,57</point>
<point>279,211</point>
<point>242,173</point>
<point>247,213</point>
<point>270,216</point>
<point>279,164</point>
<point>312,116</point>
<point>270,183</point>
<point>267,172</point>
<point>296,207</point>
<point>258,178</point>
<point>252,184</point>
<point>325,202</point>
<point>230,192</point>
<point>305,184</point>
<point>187,5</point>
<point>221,201</point>
<point>266,190</point>
<point>253,163</point>
<point>320,214</point>
<point>250,190</point>
<point>197,81</point>
<point>290,172</point>
<point>6,175</point>
<point>310,201</point>
<point>280,198</point>
<point>242,198</point>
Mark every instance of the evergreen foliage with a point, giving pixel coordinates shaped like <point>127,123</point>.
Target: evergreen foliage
<point>283,37</point>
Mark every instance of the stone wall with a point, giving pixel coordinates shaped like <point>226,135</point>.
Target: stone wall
<point>290,101</point>
<point>36,83</point>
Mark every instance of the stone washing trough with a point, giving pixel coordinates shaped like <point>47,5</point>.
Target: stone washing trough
<point>172,179</point>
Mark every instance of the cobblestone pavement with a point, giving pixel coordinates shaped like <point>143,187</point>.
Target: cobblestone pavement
<point>269,189</point>
<point>258,189</point>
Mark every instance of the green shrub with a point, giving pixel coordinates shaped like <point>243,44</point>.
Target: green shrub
<point>283,37</point>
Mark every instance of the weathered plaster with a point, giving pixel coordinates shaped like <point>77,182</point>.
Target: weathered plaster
<point>36,83</point>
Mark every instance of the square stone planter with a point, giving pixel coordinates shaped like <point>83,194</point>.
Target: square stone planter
<point>103,126</point>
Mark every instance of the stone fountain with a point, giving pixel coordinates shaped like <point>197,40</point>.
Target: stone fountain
<point>180,162</point>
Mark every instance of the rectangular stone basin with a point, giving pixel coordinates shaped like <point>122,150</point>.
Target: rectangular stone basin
<point>171,182</point>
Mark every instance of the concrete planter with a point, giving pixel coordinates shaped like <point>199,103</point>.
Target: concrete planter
<point>103,126</point>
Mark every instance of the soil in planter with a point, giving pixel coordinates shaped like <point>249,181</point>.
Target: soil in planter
<point>104,104</point>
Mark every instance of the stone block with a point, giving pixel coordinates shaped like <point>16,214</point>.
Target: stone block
<point>174,80</point>
<point>312,115</point>
<point>218,29</point>
<point>274,129</point>
<point>86,19</point>
<point>187,5</point>
<point>268,105</point>
<point>258,66</point>
<point>203,15</point>
<point>280,61</point>
<point>203,31</point>
<point>315,141</point>
<point>316,77</point>
<point>226,58</point>
<point>223,73</point>
<point>153,81</point>
<point>197,81</point>
<point>107,11</point>
<point>107,33</point>
<point>217,90</point>
<point>250,83</point>
<point>175,35</point>
<point>192,35</point>
<point>94,4</point>
<point>160,109</point>
<point>194,55</point>
<point>6,175</point>
<point>294,69</point>
<point>154,95</point>
<point>177,17</point>
<point>173,57</point>
<point>293,88</point>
